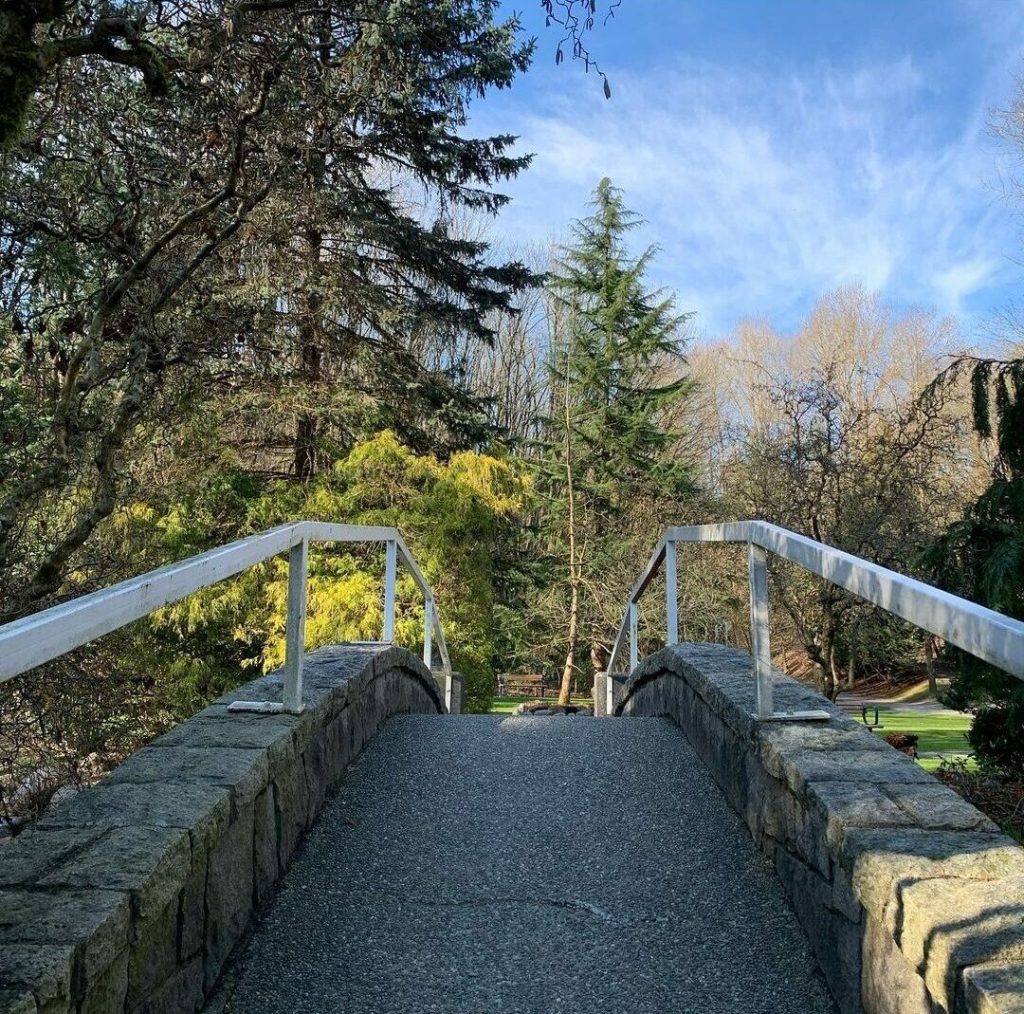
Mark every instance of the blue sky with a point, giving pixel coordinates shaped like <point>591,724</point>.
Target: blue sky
<point>780,148</point>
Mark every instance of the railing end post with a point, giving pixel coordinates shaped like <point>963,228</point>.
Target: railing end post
<point>390,578</point>
<point>634,645</point>
<point>428,632</point>
<point>760,644</point>
<point>295,626</point>
<point>671,594</point>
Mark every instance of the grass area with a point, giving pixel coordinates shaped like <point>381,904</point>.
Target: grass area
<point>936,731</point>
<point>506,705</point>
<point>932,763</point>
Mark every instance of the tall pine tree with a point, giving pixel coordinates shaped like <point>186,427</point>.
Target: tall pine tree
<point>269,236</point>
<point>616,371</point>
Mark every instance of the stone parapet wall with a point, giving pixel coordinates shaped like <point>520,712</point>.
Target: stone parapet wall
<point>131,896</point>
<point>912,899</point>
<point>600,693</point>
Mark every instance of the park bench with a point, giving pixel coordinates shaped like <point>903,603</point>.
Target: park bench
<point>512,684</point>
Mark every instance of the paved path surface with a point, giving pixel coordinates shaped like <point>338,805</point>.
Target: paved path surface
<point>527,864</point>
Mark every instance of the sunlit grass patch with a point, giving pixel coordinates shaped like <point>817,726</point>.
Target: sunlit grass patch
<point>506,705</point>
<point>937,731</point>
<point>934,762</point>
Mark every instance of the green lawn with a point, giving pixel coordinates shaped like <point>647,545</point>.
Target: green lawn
<point>932,763</point>
<point>936,731</point>
<point>505,705</point>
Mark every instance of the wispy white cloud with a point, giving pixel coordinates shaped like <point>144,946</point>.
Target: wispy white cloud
<point>766,187</point>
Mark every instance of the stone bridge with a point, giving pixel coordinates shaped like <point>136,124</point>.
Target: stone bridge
<point>373,850</point>
<point>376,854</point>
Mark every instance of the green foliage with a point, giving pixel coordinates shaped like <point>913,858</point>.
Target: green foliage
<point>982,557</point>
<point>613,355</point>
<point>271,214</point>
<point>453,514</point>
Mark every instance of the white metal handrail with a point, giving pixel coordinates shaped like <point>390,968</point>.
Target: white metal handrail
<point>982,632</point>
<point>46,635</point>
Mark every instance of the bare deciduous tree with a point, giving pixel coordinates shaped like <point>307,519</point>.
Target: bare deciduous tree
<point>824,432</point>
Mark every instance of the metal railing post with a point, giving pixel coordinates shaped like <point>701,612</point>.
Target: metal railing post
<point>759,637</point>
<point>428,631</point>
<point>634,646</point>
<point>390,576</point>
<point>295,626</point>
<point>671,595</point>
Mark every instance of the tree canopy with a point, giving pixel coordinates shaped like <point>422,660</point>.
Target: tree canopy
<point>279,215</point>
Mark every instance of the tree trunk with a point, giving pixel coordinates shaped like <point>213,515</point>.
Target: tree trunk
<point>929,662</point>
<point>833,678</point>
<point>307,427</point>
<point>565,691</point>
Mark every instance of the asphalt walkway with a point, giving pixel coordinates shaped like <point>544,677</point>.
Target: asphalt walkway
<point>527,864</point>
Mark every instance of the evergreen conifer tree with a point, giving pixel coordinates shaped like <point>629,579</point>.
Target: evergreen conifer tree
<point>615,371</point>
<point>982,557</point>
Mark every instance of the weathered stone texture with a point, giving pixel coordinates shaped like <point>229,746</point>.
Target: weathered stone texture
<point>996,988</point>
<point>266,866</point>
<point>911,898</point>
<point>889,982</point>
<point>17,1001</point>
<point>229,894</point>
<point>130,897</point>
<point>41,971</point>
<point>102,918</point>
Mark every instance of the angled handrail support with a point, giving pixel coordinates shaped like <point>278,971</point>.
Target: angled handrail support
<point>50,633</point>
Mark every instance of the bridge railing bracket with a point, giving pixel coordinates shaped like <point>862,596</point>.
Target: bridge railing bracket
<point>794,716</point>
<point>264,708</point>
